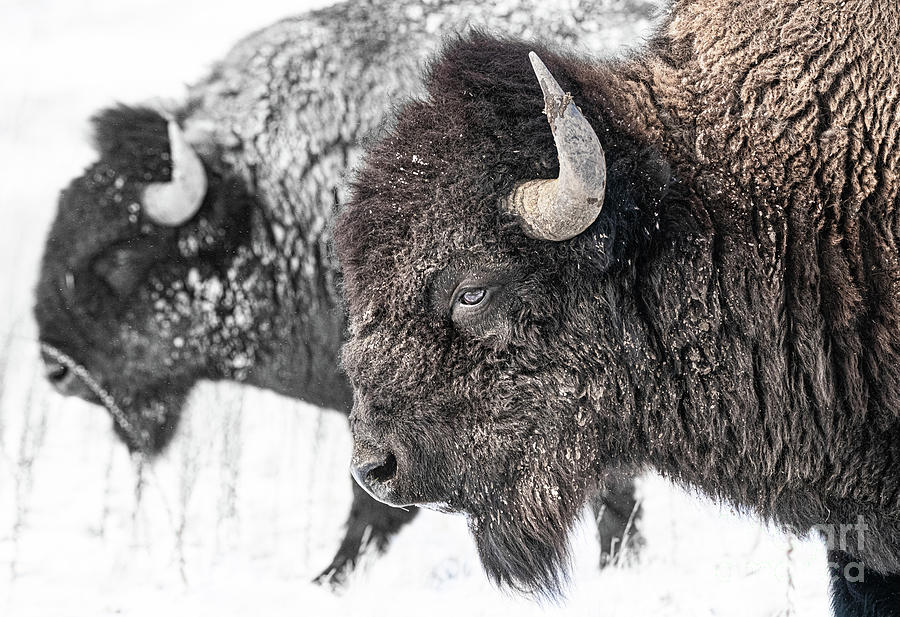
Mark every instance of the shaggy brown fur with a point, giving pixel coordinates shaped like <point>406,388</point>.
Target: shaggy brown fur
<point>730,319</point>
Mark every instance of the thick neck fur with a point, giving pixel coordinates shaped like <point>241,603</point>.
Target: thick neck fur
<point>295,319</point>
<point>766,308</point>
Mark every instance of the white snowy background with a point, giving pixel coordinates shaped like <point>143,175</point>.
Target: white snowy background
<point>248,505</point>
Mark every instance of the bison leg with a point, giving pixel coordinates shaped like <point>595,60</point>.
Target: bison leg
<point>370,526</point>
<point>617,513</point>
<point>857,591</point>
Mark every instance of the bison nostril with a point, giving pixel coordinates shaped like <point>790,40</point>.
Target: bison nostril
<point>374,471</point>
<point>61,376</point>
<point>385,471</point>
<point>56,372</point>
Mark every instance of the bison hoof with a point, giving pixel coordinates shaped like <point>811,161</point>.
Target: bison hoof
<point>334,577</point>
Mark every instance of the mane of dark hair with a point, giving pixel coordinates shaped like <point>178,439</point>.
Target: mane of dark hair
<point>134,140</point>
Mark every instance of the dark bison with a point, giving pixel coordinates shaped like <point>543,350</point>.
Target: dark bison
<point>701,275</point>
<point>196,247</point>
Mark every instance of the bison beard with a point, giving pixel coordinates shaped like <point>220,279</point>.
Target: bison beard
<point>731,318</point>
<point>528,550</point>
<point>523,541</point>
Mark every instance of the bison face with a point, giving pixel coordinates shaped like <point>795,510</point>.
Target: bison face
<point>136,299</point>
<point>485,296</point>
<point>476,408</point>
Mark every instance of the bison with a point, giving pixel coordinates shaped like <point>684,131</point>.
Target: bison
<point>197,245</point>
<point>694,269</point>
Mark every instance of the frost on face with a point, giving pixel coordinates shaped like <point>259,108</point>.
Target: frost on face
<point>209,317</point>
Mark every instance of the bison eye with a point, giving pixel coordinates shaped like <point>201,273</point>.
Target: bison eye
<point>470,303</point>
<point>472,297</point>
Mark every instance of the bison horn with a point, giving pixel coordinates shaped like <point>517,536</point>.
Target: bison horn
<point>562,208</point>
<point>173,203</point>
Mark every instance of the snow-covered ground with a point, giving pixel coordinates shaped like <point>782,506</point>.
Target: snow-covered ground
<point>248,505</point>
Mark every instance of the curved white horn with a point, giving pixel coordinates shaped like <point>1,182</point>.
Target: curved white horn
<point>173,203</point>
<point>562,208</point>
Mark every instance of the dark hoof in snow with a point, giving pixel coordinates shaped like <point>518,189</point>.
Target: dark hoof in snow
<point>335,575</point>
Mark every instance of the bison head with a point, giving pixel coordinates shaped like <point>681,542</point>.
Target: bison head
<point>136,299</point>
<point>485,258</point>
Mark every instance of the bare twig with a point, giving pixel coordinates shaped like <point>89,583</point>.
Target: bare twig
<point>30,442</point>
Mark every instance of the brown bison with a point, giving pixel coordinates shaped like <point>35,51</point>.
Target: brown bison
<point>694,268</point>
